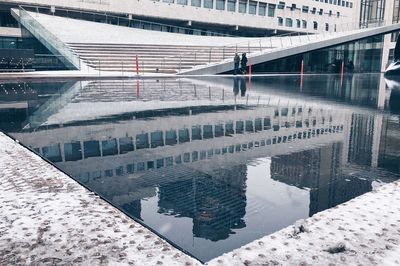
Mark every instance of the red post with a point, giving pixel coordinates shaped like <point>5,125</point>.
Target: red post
<point>137,88</point>
<point>301,75</point>
<point>250,68</point>
<point>137,65</point>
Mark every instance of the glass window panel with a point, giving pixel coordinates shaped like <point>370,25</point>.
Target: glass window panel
<point>280,21</point>
<point>220,5</point>
<point>252,7</point>
<point>196,3</point>
<point>195,156</point>
<point>171,137</point>
<point>157,139</point>
<point>150,165</point>
<point>125,145</point>
<point>242,6</point>
<point>169,161</point>
<point>91,148</point>
<point>130,168</point>
<point>109,147</point>
<point>140,166</point>
<point>229,128</point>
<point>262,7</point>
<point>289,22</point>
<point>208,131</point>
<point>281,5</point>
<point>160,163</point>
<point>142,141</point>
<point>183,135</point>
<point>208,4</point>
<point>231,6</point>
<point>196,133</point>
<point>52,153</point>
<point>271,10</point>
<point>219,130</point>
<point>239,127</point>
<point>72,151</point>
<point>258,124</point>
<point>267,123</point>
<point>249,126</point>
<point>186,157</point>
<point>182,2</point>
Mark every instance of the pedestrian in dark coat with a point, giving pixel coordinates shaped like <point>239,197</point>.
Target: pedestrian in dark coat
<point>243,64</point>
<point>236,62</point>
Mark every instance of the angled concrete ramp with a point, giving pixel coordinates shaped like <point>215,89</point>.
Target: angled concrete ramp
<point>290,46</point>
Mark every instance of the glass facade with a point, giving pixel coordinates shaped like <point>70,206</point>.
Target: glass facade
<point>372,11</point>
<point>360,56</point>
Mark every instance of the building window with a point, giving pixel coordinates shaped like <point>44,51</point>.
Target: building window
<point>196,3</point>
<point>208,4</point>
<point>289,22</point>
<point>220,5</point>
<point>242,6</point>
<point>252,7</point>
<point>338,14</point>
<point>168,1</point>
<point>280,21</point>
<point>281,5</point>
<point>231,5</point>
<point>351,5</point>
<point>298,23</point>
<point>315,25</point>
<point>305,9</point>
<point>262,7</point>
<point>330,13</point>
<point>313,10</point>
<point>304,22</point>
<point>326,27</point>
<point>321,11</point>
<point>293,7</point>
<point>271,10</point>
<point>182,2</point>
<point>339,2</point>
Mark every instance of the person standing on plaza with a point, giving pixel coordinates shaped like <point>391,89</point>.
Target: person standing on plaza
<point>236,61</point>
<point>243,64</point>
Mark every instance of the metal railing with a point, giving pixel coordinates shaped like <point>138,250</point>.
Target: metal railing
<point>219,54</point>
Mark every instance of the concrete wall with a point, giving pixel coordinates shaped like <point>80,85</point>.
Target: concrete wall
<point>10,32</point>
<point>188,13</point>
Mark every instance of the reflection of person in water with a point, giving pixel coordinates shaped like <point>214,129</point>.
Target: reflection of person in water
<point>243,86</point>
<point>235,86</point>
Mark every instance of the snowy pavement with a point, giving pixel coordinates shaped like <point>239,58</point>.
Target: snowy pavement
<point>362,231</point>
<point>47,218</point>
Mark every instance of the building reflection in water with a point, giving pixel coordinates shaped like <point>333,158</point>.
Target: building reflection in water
<point>214,177</point>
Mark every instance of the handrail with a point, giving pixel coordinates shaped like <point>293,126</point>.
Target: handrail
<point>53,43</point>
<point>78,11</point>
<point>248,46</point>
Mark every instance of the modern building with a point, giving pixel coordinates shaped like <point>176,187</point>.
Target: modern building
<point>240,18</point>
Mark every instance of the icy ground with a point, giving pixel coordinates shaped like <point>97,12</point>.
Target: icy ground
<point>362,231</point>
<point>46,218</point>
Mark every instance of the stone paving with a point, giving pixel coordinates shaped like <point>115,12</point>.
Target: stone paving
<point>46,218</point>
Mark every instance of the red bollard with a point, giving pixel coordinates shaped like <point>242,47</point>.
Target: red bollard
<point>137,65</point>
<point>301,75</point>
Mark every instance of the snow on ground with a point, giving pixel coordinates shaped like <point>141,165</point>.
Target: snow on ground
<point>363,231</point>
<point>47,218</point>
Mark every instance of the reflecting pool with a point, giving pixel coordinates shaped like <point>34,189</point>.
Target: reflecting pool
<point>212,164</point>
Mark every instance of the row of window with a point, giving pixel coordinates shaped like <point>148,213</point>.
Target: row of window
<point>337,2</point>
<point>250,7</point>
<point>301,24</point>
<point>195,156</point>
<point>94,148</point>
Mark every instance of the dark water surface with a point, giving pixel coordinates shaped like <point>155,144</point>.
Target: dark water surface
<point>213,164</point>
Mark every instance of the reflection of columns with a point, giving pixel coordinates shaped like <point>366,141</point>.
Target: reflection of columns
<point>376,139</point>
<point>381,93</point>
<point>346,133</point>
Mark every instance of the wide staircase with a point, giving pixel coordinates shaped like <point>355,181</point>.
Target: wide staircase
<point>153,58</point>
